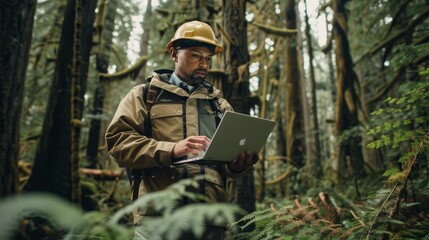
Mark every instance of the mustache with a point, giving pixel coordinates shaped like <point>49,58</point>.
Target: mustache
<point>201,69</point>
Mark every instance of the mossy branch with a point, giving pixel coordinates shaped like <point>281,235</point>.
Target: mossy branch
<point>283,32</point>
<point>121,74</point>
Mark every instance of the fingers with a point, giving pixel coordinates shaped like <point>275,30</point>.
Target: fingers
<point>255,158</point>
<point>191,145</point>
<point>248,158</point>
<point>201,143</point>
<point>244,161</point>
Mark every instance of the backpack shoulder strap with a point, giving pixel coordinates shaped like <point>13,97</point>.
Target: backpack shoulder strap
<point>214,103</point>
<point>150,93</point>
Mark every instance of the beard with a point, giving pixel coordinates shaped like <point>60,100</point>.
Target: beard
<point>198,76</point>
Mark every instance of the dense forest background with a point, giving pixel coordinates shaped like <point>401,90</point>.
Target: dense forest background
<point>346,80</point>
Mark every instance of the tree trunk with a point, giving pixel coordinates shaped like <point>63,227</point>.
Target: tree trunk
<point>105,26</point>
<point>56,165</point>
<point>237,92</point>
<point>350,157</point>
<point>144,42</point>
<point>16,28</point>
<point>294,129</point>
<point>313,163</point>
<point>327,147</point>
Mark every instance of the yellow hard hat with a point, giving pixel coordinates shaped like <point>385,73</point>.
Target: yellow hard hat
<point>197,32</point>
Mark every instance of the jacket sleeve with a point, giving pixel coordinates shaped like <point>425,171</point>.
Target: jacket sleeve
<point>125,138</point>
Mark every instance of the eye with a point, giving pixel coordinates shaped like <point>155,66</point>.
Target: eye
<point>197,56</point>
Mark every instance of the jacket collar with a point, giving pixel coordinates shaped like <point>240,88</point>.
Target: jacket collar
<point>204,90</point>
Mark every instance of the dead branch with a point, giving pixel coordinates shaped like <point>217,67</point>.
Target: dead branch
<point>102,173</point>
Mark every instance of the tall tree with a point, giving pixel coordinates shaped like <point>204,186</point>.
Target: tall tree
<point>313,163</point>
<point>16,28</point>
<point>237,92</point>
<point>105,23</point>
<point>56,166</point>
<point>144,42</point>
<point>294,116</point>
<point>350,156</point>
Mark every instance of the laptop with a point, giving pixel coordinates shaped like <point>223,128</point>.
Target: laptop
<point>235,134</point>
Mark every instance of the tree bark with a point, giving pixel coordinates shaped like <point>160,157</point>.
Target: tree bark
<point>56,165</point>
<point>16,28</point>
<point>144,42</point>
<point>294,129</point>
<point>242,190</point>
<point>313,163</point>
<point>105,23</point>
<point>350,156</point>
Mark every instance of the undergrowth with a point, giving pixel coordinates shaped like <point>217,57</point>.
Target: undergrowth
<point>396,209</point>
<point>43,216</point>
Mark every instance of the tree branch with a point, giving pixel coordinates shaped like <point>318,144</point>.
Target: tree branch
<point>284,32</point>
<point>125,72</point>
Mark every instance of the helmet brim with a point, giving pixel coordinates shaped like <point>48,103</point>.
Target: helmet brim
<point>217,47</point>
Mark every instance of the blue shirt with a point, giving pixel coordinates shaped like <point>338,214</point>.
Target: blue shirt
<point>174,79</point>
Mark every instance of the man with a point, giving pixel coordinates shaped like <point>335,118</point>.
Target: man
<point>175,116</point>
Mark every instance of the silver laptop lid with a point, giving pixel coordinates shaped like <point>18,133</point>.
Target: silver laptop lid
<point>235,134</point>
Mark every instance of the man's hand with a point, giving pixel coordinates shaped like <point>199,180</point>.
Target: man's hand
<point>243,162</point>
<point>191,145</point>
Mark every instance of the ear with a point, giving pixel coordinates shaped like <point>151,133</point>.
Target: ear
<point>173,54</point>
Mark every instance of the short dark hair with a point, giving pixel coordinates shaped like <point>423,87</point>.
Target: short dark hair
<point>186,43</point>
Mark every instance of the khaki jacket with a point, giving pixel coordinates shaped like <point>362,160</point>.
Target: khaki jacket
<point>128,145</point>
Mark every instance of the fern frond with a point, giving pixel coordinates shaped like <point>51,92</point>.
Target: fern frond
<point>316,236</point>
<point>291,227</point>
<point>95,226</point>
<point>164,201</point>
<point>15,208</point>
<point>256,216</point>
<point>192,218</point>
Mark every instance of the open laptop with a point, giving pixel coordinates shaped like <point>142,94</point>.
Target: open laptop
<point>235,134</point>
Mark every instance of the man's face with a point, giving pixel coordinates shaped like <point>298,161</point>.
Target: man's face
<point>192,64</point>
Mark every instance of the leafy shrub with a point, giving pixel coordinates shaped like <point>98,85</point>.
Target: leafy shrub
<point>58,219</point>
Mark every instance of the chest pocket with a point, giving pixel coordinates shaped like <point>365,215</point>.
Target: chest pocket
<point>207,122</point>
<point>167,121</point>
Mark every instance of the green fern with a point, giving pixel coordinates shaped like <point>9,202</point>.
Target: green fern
<point>287,223</point>
<point>70,222</point>
<point>163,202</point>
<point>190,218</point>
<point>15,208</point>
<point>403,128</point>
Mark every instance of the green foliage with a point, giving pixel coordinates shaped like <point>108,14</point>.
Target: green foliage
<point>286,223</point>
<point>404,118</point>
<point>169,219</point>
<point>65,219</point>
<point>61,215</point>
<point>190,218</point>
<point>164,202</point>
<point>350,134</point>
<point>403,123</point>
<point>406,54</point>
<point>371,219</point>
<point>14,209</point>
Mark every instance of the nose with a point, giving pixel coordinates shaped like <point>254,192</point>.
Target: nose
<point>204,62</point>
